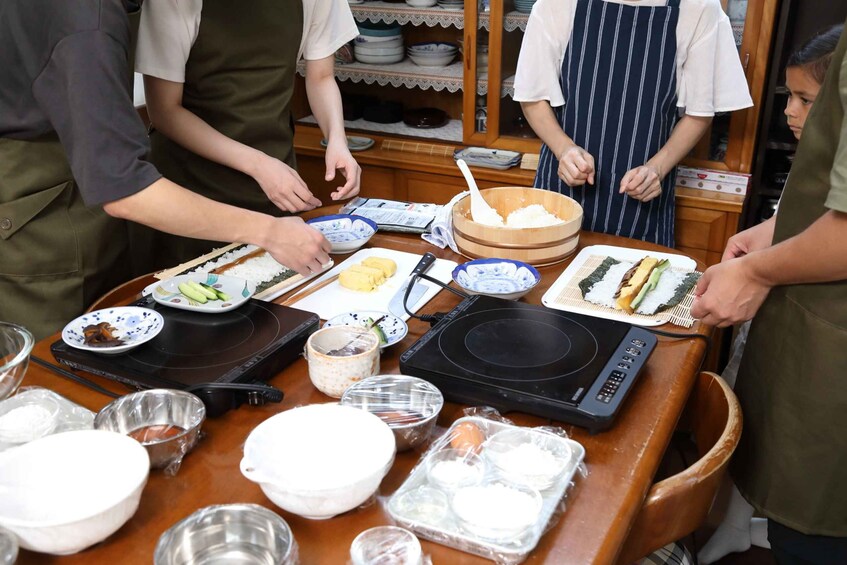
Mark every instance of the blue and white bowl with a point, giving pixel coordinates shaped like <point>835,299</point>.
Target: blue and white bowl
<point>133,324</point>
<point>345,232</point>
<point>502,278</point>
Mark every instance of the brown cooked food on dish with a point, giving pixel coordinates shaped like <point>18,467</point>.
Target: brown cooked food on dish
<point>101,335</point>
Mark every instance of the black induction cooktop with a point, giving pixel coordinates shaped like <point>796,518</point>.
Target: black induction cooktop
<point>251,343</point>
<point>515,356</point>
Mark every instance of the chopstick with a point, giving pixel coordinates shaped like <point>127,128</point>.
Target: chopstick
<point>76,378</point>
<point>304,293</point>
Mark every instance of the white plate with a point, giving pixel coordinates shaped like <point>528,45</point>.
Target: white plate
<point>354,143</point>
<point>393,327</point>
<point>680,262</point>
<point>167,293</point>
<point>133,324</point>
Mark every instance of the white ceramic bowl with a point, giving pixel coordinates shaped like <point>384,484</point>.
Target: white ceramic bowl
<point>421,3</point>
<point>432,61</point>
<point>345,232</point>
<point>378,50</point>
<point>434,47</point>
<point>65,492</point>
<point>379,59</point>
<point>384,41</point>
<point>503,278</point>
<point>319,460</point>
<point>135,325</point>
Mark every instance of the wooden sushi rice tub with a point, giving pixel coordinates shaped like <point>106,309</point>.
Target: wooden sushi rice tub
<point>536,246</point>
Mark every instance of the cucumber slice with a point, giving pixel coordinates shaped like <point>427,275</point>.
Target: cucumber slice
<point>210,294</point>
<point>652,282</point>
<point>220,294</point>
<point>383,339</point>
<point>189,292</point>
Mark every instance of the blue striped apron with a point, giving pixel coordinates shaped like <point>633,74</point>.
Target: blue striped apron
<point>619,85</point>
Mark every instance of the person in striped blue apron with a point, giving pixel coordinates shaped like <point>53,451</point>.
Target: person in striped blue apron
<point>603,84</point>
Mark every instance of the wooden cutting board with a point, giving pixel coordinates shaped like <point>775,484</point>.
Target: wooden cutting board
<point>333,299</point>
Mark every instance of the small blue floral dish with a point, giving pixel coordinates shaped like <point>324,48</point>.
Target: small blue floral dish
<point>392,327</point>
<point>133,325</point>
<point>502,278</point>
<point>345,232</point>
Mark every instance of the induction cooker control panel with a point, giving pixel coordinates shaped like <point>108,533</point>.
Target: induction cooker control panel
<point>617,377</point>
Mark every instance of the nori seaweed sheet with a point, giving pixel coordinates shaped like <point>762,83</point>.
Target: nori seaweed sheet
<point>679,294</point>
<point>190,269</point>
<point>285,274</point>
<point>597,275</point>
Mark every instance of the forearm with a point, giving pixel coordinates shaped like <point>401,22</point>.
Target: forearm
<point>168,207</point>
<point>325,98</point>
<point>684,137</point>
<point>818,254</point>
<point>168,116</point>
<point>545,125</point>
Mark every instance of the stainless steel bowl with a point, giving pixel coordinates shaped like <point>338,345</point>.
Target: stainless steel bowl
<point>166,422</point>
<point>409,405</point>
<point>228,533</point>
<point>15,346</point>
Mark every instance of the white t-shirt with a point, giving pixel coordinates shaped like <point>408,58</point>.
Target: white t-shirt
<point>709,76</point>
<point>169,27</point>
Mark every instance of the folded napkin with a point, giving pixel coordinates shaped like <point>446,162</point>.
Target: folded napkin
<point>441,233</point>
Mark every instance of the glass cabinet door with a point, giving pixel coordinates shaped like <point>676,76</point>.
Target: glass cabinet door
<point>730,141</point>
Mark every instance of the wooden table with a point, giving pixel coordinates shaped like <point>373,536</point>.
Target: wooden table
<point>621,461</point>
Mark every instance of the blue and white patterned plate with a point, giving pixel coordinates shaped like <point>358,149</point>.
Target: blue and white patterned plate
<point>394,328</point>
<point>345,232</point>
<point>503,278</point>
<point>133,324</point>
<point>167,292</point>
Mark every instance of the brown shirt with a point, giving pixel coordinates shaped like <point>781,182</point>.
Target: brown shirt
<point>792,383</point>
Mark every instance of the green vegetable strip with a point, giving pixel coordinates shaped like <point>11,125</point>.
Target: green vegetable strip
<point>596,275</point>
<point>651,283</point>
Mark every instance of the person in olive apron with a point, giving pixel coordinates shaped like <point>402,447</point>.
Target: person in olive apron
<point>223,123</point>
<point>73,159</point>
<point>598,82</point>
<point>792,281</point>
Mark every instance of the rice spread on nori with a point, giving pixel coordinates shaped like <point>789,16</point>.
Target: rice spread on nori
<point>601,285</point>
<point>596,275</point>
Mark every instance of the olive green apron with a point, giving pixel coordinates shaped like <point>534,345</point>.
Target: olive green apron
<point>56,255</point>
<point>792,383</point>
<point>239,79</point>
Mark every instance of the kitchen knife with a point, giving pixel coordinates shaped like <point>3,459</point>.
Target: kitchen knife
<point>417,291</point>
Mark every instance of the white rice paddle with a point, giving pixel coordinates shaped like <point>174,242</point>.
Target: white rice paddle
<point>481,212</point>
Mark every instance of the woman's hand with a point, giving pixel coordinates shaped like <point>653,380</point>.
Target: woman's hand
<point>642,183</point>
<point>752,239</point>
<point>338,158</point>
<point>576,166</point>
<point>283,185</point>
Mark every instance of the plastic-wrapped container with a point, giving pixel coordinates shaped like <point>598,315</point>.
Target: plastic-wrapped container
<point>409,405</point>
<point>502,513</point>
<point>35,412</point>
<point>166,422</point>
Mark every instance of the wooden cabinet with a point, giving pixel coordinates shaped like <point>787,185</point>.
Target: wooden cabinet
<point>480,84</point>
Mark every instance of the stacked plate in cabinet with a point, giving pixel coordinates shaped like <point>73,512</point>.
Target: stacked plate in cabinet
<point>524,6</point>
<point>379,43</point>
<point>452,4</point>
<point>433,54</point>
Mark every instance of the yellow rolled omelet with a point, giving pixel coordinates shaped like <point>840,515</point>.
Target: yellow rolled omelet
<point>387,266</point>
<point>377,274</point>
<point>356,280</point>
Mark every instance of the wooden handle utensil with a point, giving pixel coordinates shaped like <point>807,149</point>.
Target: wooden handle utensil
<point>304,293</point>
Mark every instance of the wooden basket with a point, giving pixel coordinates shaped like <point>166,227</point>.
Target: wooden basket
<point>536,246</point>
